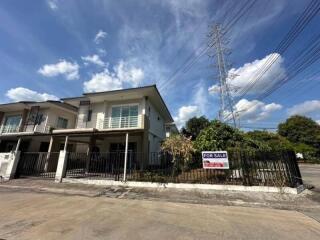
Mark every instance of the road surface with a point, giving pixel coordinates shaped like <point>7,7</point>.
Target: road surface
<point>31,215</point>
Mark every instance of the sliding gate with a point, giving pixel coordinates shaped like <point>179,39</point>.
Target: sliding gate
<point>37,164</point>
<point>109,165</point>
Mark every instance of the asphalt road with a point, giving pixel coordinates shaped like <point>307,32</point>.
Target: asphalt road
<point>311,174</point>
<point>30,215</point>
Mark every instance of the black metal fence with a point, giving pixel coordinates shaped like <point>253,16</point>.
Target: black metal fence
<point>108,165</point>
<point>249,168</point>
<point>37,164</point>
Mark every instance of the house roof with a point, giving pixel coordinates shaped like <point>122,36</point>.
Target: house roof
<point>150,91</point>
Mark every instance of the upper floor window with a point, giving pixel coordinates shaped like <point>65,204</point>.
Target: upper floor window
<point>62,122</point>
<point>124,116</point>
<point>11,123</point>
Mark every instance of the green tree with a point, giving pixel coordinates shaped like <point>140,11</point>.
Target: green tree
<point>218,136</point>
<point>264,140</point>
<point>299,129</point>
<point>194,126</point>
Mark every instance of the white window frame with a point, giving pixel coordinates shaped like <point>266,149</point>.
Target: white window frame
<point>122,105</point>
<point>6,116</point>
<point>64,119</point>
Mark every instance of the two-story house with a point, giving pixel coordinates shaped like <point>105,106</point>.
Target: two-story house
<point>106,119</point>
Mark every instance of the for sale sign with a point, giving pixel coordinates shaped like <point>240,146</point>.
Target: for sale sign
<point>215,159</point>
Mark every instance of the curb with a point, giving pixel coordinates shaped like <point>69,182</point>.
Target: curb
<point>187,186</point>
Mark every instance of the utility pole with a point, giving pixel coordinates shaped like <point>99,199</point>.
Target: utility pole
<point>218,42</point>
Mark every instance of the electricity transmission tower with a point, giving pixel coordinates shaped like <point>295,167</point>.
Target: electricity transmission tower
<point>218,42</point>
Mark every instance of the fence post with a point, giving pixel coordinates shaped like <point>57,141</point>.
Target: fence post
<point>12,165</point>
<point>62,164</point>
<point>246,169</point>
<point>125,158</point>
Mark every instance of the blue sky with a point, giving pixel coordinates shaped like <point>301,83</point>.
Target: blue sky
<point>53,49</point>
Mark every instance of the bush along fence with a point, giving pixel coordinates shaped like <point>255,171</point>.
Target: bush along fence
<point>249,168</point>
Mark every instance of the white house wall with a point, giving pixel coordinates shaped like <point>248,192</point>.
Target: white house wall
<point>100,111</point>
<point>156,121</point>
<point>54,114</point>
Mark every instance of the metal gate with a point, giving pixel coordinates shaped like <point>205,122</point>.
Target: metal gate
<point>37,164</point>
<point>108,165</point>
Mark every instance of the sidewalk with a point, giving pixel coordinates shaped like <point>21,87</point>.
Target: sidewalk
<point>307,201</point>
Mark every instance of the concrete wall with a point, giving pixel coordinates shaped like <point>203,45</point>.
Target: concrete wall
<point>54,114</point>
<point>156,121</point>
<point>157,129</point>
<point>4,159</point>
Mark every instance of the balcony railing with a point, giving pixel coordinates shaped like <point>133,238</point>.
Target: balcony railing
<point>120,122</point>
<point>15,129</point>
<point>9,128</point>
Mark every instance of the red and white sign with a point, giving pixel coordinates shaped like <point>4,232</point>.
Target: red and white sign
<point>215,160</point>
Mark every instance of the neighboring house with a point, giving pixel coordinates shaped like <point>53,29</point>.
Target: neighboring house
<point>33,122</point>
<point>106,118</point>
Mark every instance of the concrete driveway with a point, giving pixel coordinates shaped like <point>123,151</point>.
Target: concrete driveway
<point>29,215</point>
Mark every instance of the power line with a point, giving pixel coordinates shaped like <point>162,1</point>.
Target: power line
<point>308,14</point>
<point>192,58</point>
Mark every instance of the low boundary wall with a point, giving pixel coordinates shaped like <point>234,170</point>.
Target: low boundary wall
<point>188,186</point>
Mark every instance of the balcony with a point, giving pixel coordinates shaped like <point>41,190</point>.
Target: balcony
<point>9,129</point>
<point>120,122</point>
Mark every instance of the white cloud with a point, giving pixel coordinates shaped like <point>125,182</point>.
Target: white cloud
<point>25,94</point>
<point>188,9</point>
<point>128,73</point>
<point>307,107</point>
<point>318,121</point>
<point>99,36</point>
<point>103,81</point>
<point>68,69</point>
<point>185,113</point>
<point>95,59</point>
<point>214,89</point>
<point>101,51</point>
<point>239,78</point>
<point>200,98</point>
<point>53,4</point>
<point>252,111</point>
<point>123,73</point>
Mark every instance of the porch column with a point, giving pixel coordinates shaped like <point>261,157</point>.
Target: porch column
<point>48,154</point>
<point>66,143</point>
<point>62,162</point>
<point>13,162</point>
<point>18,145</point>
<point>125,158</point>
<point>92,143</point>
